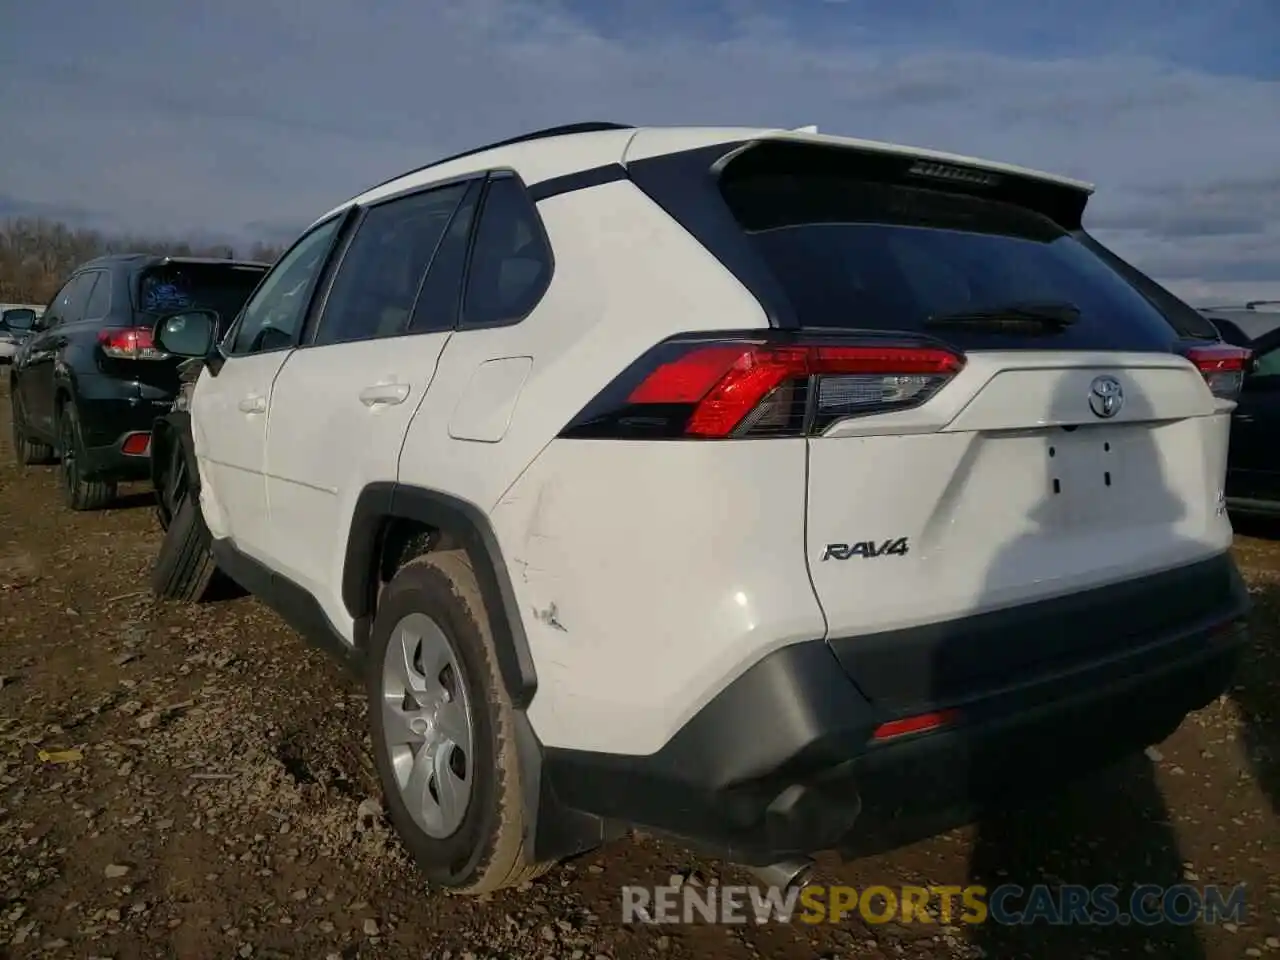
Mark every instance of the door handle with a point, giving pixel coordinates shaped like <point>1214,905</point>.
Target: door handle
<point>384,393</point>
<point>253,404</point>
<point>1243,418</point>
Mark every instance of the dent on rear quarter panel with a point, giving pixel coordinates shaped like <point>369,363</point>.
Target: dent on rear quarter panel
<point>650,575</point>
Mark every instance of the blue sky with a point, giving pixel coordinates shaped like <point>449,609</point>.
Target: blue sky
<point>247,118</point>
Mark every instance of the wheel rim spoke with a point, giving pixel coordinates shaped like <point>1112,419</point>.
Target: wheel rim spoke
<point>403,647</point>
<point>434,659</point>
<point>452,726</point>
<point>454,792</point>
<point>417,792</point>
<point>397,724</point>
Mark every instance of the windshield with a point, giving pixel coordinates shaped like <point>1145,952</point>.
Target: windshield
<point>214,286</point>
<point>857,254</point>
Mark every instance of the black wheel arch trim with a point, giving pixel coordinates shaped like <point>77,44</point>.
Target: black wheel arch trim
<point>467,525</point>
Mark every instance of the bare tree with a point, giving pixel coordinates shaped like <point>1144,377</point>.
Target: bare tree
<point>37,254</point>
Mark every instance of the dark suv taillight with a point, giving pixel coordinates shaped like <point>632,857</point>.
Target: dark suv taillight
<point>130,343</point>
<point>757,386</point>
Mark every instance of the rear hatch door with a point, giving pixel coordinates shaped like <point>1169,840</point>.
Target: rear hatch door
<point>1075,448</point>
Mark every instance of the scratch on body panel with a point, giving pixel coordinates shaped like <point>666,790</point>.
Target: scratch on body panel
<point>549,617</point>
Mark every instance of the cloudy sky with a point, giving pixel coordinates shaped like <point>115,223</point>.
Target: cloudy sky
<point>248,118</point>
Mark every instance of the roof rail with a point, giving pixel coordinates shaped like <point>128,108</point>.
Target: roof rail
<point>588,126</point>
<point>1255,304</point>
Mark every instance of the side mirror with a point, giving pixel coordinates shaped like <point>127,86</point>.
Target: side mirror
<point>19,318</point>
<point>189,333</point>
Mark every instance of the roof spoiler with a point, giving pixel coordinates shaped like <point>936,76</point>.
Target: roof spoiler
<point>1061,199</point>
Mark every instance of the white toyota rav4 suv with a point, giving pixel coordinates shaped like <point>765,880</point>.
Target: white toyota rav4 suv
<point>759,488</point>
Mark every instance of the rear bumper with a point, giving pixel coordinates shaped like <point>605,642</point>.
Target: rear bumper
<point>112,462</point>
<point>783,762</point>
<point>106,424</point>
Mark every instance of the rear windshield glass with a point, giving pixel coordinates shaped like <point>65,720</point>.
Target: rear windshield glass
<point>856,254</point>
<point>210,286</point>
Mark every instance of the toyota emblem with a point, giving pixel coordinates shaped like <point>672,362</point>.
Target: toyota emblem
<point>1106,397</point>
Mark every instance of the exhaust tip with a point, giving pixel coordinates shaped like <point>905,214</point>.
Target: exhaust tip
<point>786,874</point>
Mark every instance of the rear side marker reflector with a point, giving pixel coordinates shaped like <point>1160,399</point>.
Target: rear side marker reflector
<point>130,343</point>
<point>922,723</point>
<point>136,445</point>
<point>1223,368</point>
<point>755,388</point>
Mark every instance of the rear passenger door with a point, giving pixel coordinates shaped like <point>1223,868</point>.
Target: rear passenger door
<point>343,401</point>
<point>40,362</point>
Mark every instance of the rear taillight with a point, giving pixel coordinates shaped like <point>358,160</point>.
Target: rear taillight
<point>1223,368</point>
<point>130,343</point>
<point>741,388</point>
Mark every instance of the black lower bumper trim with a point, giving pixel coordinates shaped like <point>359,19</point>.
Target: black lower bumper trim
<point>783,762</point>
<point>910,670</point>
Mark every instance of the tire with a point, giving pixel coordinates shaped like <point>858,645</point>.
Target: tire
<point>26,452</point>
<point>480,849</point>
<point>184,568</point>
<point>78,492</point>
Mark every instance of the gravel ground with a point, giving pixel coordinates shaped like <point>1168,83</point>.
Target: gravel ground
<point>223,803</point>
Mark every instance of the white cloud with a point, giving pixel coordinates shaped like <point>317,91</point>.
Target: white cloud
<point>272,112</point>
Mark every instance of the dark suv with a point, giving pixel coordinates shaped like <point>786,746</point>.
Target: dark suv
<point>88,384</point>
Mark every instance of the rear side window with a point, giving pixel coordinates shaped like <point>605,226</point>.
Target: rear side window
<point>208,286</point>
<point>99,304</point>
<point>510,262</point>
<point>377,282</point>
<point>886,256</point>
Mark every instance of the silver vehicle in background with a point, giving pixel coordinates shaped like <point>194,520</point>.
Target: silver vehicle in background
<point>16,323</point>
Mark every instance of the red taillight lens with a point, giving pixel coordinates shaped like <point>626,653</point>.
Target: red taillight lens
<point>748,389</point>
<point>130,343</point>
<point>1223,368</point>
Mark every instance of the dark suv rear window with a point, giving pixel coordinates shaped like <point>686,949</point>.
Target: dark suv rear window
<point>886,256</point>
<point>211,286</point>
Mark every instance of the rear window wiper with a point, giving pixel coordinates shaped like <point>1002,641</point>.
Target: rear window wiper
<point>1053,314</point>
